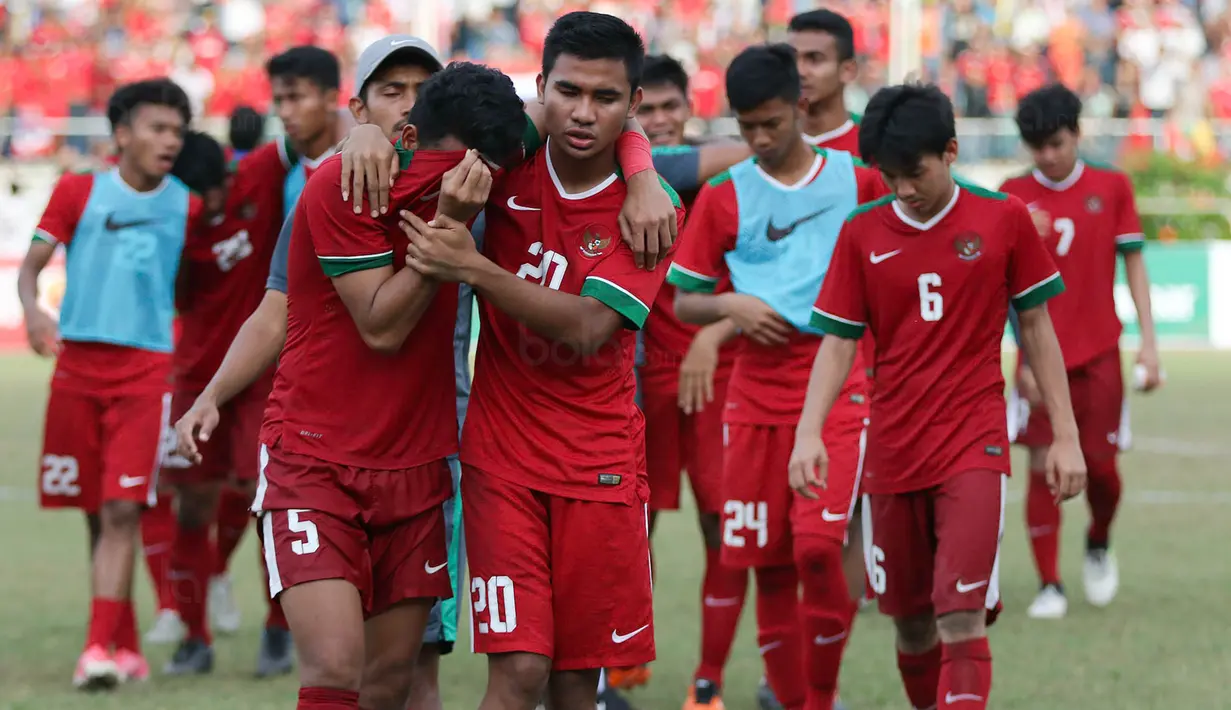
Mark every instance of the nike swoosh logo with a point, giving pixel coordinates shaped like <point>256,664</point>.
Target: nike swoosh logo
<point>514,206</point>
<point>113,226</point>
<point>963,588</point>
<point>617,637</point>
<point>950,698</point>
<point>775,234</point>
<point>826,640</point>
<point>719,602</point>
<point>433,569</point>
<point>400,42</point>
<point>769,647</point>
<point>878,258</point>
<point>131,481</point>
<point>831,517</point>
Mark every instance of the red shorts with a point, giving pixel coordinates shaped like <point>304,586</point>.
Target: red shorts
<point>1097,391</point>
<point>676,441</point>
<point>97,449</point>
<point>564,578</point>
<point>381,530</point>
<point>936,550</point>
<point>762,516</point>
<point>232,452</point>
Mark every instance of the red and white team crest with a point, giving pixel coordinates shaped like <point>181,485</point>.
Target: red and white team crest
<point>969,246</point>
<point>1094,204</point>
<point>594,243</point>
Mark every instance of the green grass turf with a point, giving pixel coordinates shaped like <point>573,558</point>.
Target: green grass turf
<point>1163,644</point>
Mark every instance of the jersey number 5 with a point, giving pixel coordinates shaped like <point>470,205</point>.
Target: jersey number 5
<point>931,305</point>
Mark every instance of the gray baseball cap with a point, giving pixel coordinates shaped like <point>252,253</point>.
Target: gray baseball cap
<point>382,49</point>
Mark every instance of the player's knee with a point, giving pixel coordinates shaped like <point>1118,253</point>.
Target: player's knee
<point>711,530</point>
<point>120,516</point>
<point>386,686</point>
<point>521,675</point>
<point>819,562</point>
<point>330,666</point>
<point>1102,469</point>
<point>916,634</point>
<point>196,507</point>
<point>959,626</point>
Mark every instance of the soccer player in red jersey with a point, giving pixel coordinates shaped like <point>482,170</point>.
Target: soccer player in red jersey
<point>770,222</point>
<point>554,488</point>
<point>1086,217</point>
<point>824,43</point>
<point>353,527</point>
<point>123,230</point>
<point>931,271</point>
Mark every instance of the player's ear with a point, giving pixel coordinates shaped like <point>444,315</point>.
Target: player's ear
<point>358,109</point>
<point>848,71</point>
<point>951,152</point>
<point>635,103</point>
<point>122,134</point>
<point>540,83</point>
<point>410,137</point>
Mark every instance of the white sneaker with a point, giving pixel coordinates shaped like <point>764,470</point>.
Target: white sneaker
<point>223,611</point>
<point>1101,575</point>
<point>1049,604</point>
<point>168,628</point>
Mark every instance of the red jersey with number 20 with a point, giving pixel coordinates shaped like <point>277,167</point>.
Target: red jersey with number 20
<point>341,401</point>
<point>542,415</point>
<point>1093,218</point>
<point>935,296</point>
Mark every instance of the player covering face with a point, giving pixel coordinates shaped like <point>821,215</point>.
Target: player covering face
<point>931,271</point>
<point>1085,215</point>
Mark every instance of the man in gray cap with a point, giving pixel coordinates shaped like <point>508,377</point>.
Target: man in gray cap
<point>388,76</point>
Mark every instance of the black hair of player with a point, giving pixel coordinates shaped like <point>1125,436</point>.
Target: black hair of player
<point>664,70</point>
<point>151,92</point>
<point>1044,112</point>
<point>202,163</point>
<point>830,23</point>
<point>760,74</point>
<point>317,65</point>
<point>247,128</point>
<point>475,104</point>
<point>903,123</point>
<point>396,60</point>
<point>594,35</point>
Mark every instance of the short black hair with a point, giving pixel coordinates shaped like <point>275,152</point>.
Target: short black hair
<point>202,164</point>
<point>762,73</point>
<point>151,92</point>
<point>405,57</point>
<point>832,24</point>
<point>594,35</point>
<point>663,70</point>
<point>1044,112</point>
<point>317,65</point>
<point>903,123</point>
<point>475,104</point>
<point>247,128</point>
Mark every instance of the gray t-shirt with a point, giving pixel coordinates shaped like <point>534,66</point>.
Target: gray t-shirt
<point>461,330</point>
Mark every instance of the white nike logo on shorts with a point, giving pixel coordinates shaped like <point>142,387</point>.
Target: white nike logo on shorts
<point>127,481</point>
<point>950,698</point>
<point>963,588</point>
<point>831,517</point>
<point>822,640</point>
<point>617,637</point>
<point>430,569</point>
<point>519,208</point>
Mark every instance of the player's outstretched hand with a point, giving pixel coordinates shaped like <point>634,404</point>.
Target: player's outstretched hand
<point>43,332</point>
<point>648,219</point>
<point>1148,374</point>
<point>1066,469</point>
<point>809,466</point>
<point>757,320</point>
<point>442,249</point>
<point>198,423</point>
<point>368,160</point>
<point>1028,386</point>
<point>464,189</point>
<point>696,387</point>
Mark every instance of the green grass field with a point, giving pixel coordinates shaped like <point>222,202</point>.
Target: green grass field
<point>1163,644</point>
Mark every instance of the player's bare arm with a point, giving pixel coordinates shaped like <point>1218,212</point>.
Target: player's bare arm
<point>808,468</point>
<point>42,330</point>
<point>445,250</point>
<point>1066,466</point>
<point>696,385</point>
<point>1139,289</point>
<point>385,305</point>
<point>255,349</point>
<point>752,317</point>
<point>715,157</point>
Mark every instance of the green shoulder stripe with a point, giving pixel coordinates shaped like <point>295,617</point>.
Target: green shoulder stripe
<point>856,118</point>
<point>833,325</point>
<point>869,206</point>
<point>980,191</point>
<point>1100,165</point>
<point>672,149</point>
<point>1039,293</point>
<point>335,266</point>
<point>530,139</point>
<point>618,299</point>
<point>720,178</point>
<point>675,196</point>
<point>859,163</point>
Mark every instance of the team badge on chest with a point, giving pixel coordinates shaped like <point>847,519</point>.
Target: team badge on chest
<point>595,241</point>
<point>1094,204</point>
<point>969,246</point>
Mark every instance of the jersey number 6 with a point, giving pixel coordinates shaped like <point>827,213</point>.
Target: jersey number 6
<point>931,305</point>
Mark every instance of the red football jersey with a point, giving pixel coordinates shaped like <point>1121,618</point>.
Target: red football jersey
<point>224,270</point>
<point>844,137</point>
<point>340,400</point>
<point>936,297</point>
<point>769,383</point>
<point>540,414</point>
<point>1093,217</point>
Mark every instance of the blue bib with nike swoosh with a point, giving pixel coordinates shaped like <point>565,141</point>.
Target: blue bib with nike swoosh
<point>787,233</point>
<point>121,264</point>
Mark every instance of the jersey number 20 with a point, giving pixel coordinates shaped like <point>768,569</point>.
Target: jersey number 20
<point>931,305</point>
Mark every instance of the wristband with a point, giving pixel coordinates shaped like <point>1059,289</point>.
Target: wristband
<point>633,153</point>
